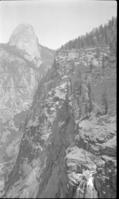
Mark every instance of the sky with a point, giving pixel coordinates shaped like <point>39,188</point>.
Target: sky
<point>55,21</point>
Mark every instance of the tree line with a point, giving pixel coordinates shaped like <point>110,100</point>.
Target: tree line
<point>103,35</point>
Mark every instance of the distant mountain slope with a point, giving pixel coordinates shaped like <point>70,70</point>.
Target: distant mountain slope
<point>47,57</point>
<point>50,51</point>
<point>103,35</point>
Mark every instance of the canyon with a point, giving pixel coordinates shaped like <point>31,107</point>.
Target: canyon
<point>67,143</point>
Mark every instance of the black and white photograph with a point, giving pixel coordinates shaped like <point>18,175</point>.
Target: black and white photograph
<point>58,107</point>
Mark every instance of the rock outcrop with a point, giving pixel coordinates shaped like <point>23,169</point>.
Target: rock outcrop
<point>68,147</point>
<point>24,38</point>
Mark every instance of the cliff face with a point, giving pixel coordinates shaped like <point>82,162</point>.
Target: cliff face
<point>18,83</point>
<point>19,77</point>
<point>68,147</point>
<point>24,38</point>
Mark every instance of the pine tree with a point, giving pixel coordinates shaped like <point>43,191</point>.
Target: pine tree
<point>89,94</point>
<point>70,80</point>
<point>103,65</point>
<point>67,98</point>
<point>105,101</point>
<point>91,66</point>
<point>72,67</point>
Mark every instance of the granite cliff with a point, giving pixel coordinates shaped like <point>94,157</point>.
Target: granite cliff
<point>68,143</point>
<point>24,38</point>
<point>23,61</point>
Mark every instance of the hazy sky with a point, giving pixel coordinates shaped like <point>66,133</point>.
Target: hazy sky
<point>55,22</point>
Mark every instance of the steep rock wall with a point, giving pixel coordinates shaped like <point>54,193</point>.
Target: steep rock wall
<point>65,151</point>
